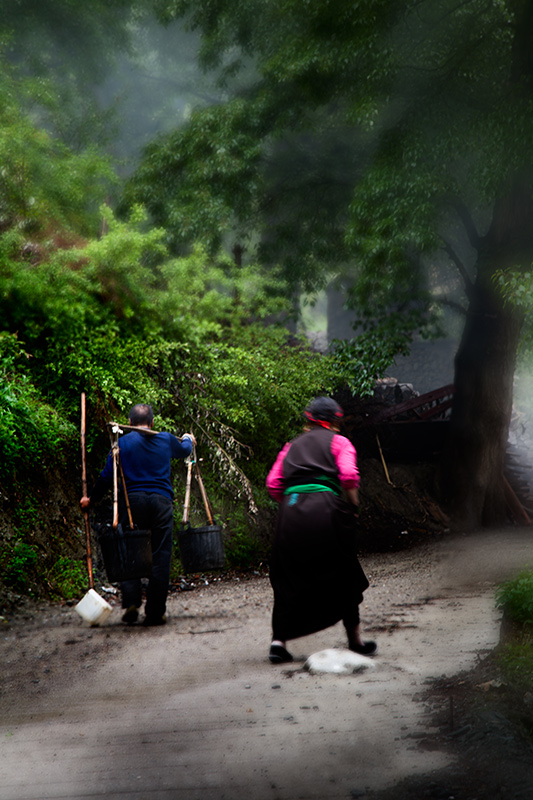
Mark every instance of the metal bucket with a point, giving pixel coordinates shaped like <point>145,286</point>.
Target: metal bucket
<point>127,553</point>
<point>201,548</point>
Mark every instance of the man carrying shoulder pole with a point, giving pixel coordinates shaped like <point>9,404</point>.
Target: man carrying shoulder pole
<point>145,458</point>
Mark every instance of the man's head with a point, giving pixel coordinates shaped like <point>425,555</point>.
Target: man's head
<point>141,414</point>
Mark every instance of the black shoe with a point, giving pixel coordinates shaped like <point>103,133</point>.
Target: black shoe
<point>365,649</point>
<point>150,621</point>
<point>278,654</point>
<point>130,616</point>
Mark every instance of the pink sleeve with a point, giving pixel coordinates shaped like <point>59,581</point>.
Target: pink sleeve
<point>274,482</point>
<point>346,459</point>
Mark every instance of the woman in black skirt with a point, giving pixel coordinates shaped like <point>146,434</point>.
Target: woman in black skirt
<point>315,573</point>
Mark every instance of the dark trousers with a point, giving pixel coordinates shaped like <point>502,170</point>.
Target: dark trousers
<point>151,511</point>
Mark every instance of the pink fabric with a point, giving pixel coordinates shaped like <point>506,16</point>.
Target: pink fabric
<point>345,457</point>
<point>346,460</point>
<point>274,481</point>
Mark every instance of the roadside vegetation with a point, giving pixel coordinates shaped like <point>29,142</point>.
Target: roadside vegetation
<point>90,303</point>
<point>515,657</point>
<point>173,274</point>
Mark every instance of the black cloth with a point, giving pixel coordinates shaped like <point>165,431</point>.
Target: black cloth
<point>315,574</point>
<point>151,511</point>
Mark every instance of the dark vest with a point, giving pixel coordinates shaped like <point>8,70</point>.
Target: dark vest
<point>310,460</point>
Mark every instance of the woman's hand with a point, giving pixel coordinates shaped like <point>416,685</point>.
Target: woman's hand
<point>353,496</point>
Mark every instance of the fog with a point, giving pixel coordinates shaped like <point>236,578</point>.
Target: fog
<point>154,89</point>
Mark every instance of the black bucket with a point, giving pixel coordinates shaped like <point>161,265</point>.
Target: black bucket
<point>127,553</point>
<point>201,548</point>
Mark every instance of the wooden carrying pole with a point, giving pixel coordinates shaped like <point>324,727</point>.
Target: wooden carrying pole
<point>121,428</point>
<point>84,492</point>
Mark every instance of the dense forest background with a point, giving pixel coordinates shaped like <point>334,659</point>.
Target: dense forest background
<point>177,181</point>
<point>99,303</point>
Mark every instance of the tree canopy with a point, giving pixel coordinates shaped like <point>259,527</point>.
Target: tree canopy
<point>431,99</point>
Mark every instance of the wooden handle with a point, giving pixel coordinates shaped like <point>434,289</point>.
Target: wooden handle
<point>204,493</point>
<point>187,503</point>
<point>115,488</point>
<point>126,498</point>
<point>84,493</point>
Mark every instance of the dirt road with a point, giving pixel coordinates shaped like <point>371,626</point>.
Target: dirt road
<point>194,709</point>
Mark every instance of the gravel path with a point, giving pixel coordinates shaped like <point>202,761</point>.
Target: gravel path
<point>194,709</point>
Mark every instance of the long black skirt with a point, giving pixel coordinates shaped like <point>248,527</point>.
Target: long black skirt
<point>314,570</point>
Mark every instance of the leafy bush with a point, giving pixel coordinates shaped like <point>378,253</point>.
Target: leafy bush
<point>30,430</point>
<point>516,662</point>
<point>515,657</point>
<point>515,597</point>
<point>18,565</point>
<point>242,548</point>
<point>67,578</point>
<point>115,316</point>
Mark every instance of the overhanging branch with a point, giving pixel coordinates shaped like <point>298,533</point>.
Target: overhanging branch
<point>454,304</point>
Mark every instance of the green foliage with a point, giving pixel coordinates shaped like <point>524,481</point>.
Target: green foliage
<point>516,662</point>
<point>67,578</point>
<point>121,320</point>
<point>516,287</point>
<point>43,32</point>
<point>116,316</point>
<point>19,563</point>
<point>44,184</point>
<point>199,181</point>
<point>362,360</point>
<point>26,516</point>
<point>116,319</point>
<point>515,597</point>
<point>72,47</point>
<point>373,126</point>
<point>242,548</point>
<point>31,431</point>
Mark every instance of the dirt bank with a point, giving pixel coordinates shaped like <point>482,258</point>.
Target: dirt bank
<point>194,709</point>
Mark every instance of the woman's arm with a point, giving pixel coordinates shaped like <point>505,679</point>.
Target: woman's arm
<point>275,482</point>
<point>346,459</point>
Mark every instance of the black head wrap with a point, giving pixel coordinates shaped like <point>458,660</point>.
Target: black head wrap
<point>323,409</point>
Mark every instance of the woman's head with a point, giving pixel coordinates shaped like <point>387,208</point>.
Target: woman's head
<point>323,411</point>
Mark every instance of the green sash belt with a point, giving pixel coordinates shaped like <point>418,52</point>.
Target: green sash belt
<point>309,488</point>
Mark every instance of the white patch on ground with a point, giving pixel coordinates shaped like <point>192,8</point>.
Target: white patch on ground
<point>338,662</point>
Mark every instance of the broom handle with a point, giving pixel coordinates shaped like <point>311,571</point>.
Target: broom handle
<point>187,503</point>
<point>114,448</point>
<point>125,494</point>
<point>84,493</point>
<point>202,489</point>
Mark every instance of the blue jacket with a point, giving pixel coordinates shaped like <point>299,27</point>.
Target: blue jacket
<point>145,459</point>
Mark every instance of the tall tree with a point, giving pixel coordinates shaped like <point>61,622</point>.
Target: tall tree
<point>437,97</point>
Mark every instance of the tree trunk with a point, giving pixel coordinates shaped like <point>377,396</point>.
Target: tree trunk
<point>473,461</point>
